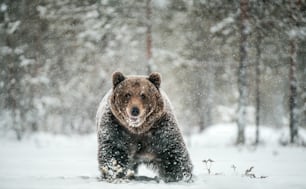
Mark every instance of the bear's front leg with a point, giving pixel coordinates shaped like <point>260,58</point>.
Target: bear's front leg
<point>173,161</point>
<point>113,159</point>
<point>174,166</point>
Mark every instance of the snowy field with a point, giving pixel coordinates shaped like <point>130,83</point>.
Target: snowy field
<point>53,161</point>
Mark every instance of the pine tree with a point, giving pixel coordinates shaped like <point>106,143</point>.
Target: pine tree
<point>257,87</point>
<point>242,85</point>
<point>293,111</point>
<point>295,26</point>
<point>149,35</point>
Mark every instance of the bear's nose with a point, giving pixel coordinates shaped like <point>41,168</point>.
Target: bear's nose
<point>135,111</point>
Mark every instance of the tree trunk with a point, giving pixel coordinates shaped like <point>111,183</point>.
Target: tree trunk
<point>303,97</point>
<point>257,86</point>
<point>293,111</point>
<point>210,94</point>
<point>149,36</point>
<point>12,102</point>
<point>242,86</point>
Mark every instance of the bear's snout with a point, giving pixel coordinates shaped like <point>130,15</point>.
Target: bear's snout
<point>135,114</point>
<point>135,111</point>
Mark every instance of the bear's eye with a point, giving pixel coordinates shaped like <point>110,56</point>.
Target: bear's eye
<point>143,96</point>
<point>127,95</point>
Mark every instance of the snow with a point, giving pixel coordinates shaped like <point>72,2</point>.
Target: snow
<point>5,50</point>
<point>56,161</point>
<point>42,10</point>
<point>297,33</point>
<point>3,7</point>
<point>224,23</point>
<point>13,26</point>
<point>25,61</point>
<point>161,3</point>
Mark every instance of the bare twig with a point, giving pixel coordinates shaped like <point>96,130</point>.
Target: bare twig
<point>208,164</point>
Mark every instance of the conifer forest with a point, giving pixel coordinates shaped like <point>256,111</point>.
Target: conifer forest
<point>234,71</point>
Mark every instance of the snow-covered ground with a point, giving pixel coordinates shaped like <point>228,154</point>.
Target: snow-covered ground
<point>53,161</point>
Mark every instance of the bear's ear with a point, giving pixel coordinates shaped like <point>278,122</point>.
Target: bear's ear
<point>118,77</point>
<point>155,78</point>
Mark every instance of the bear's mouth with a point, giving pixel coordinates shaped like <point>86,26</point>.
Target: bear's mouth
<point>134,121</point>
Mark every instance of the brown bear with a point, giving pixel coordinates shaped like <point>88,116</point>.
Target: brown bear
<point>136,124</point>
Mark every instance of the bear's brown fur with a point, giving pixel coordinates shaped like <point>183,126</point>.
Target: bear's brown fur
<point>135,124</point>
<point>136,92</point>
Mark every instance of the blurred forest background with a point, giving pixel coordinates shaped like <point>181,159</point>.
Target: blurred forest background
<point>221,61</point>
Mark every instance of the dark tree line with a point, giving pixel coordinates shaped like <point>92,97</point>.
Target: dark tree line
<point>215,56</point>
<point>261,24</point>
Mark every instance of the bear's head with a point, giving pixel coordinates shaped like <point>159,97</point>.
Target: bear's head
<point>136,101</point>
